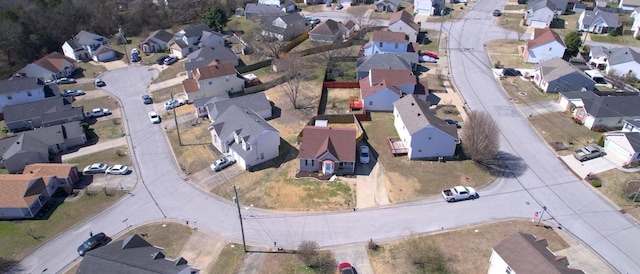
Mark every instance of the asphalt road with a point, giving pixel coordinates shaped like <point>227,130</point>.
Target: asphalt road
<point>532,178</point>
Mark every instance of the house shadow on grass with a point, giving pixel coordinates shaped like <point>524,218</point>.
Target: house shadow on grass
<point>506,165</point>
<point>287,153</point>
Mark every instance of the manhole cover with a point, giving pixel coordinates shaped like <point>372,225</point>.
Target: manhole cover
<point>522,93</point>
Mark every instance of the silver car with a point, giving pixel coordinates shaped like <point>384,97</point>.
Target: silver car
<point>222,163</point>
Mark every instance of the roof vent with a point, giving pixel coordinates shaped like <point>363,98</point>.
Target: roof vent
<point>418,114</point>
<point>413,104</point>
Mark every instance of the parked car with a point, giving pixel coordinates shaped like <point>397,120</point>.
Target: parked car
<point>65,80</point>
<point>118,170</point>
<point>346,268</point>
<point>135,57</point>
<point>430,54</point>
<point>93,242</point>
<point>339,7</point>
<point>428,59</point>
<point>98,112</point>
<point>222,163</point>
<point>73,92</point>
<point>173,103</point>
<point>160,60</point>
<point>153,117</point>
<point>313,20</point>
<point>452,122</point>
<point>95,168</point>
<point>328,4</point>
<point>146,99</point>
<point>364,154</point>
<point>497,13</point>
<point>511,72</point>
<point>588,153</point>
<point>100,83</point>
<point>171,60</point>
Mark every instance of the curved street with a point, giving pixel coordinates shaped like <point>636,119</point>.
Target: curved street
<point>533,177</point>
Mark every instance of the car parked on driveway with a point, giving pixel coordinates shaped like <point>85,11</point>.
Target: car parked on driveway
<point>73,92</point>
<point>346,268</point>
<point>99,83</point>
<point>146,99</point>
<point>173,103</point>
<point>65,80</point>
<point>160,60</point>
<point>222,163</point>
<point>430,54</point>
<point>95,168</point>
<point>118,170</point>
<point>98,112</point>
<point>511,72</point>
<point>171,60</point>
<point>153,117</point>
<point>93,242</point>
<point>588,153</point>
<point>364,154</point>
<point>452,122</point>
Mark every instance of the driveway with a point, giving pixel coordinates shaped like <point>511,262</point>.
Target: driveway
<point>356,255</point>
<point>593,166</point>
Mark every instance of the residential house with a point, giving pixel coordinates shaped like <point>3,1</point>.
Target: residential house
<point>629,4</point>
<point>407,60</point>
<point>599,57</point>
<point>387,5</point>
<point>22,197</point>
<point>625,145</point>
<point>631,125</point>
<point>557,75</point>
<point>540,13</point>
<point>597,21</point>
<point>212,39</point>
<point>402,21</point>
<point>20,90</point>
<point>44,113</point>
<point>246,136</point>
<point>58,176</point>
<point>524,253</point>
<point>383,41</point>
<point>284,28</point>
<point>328,31</point>
<point>132,255</point>
<point>158,41</point>
<point>576,6</point>
<point>50,67</point>
<point>255,12</point>
<point>285,5</point>
<point>600,111</point>
<point>88,46</point>
<point>429,7</point>
<point>257,102</point>
<point>213,79</point>
<point>622,62</point>
<point>421,132</point>
<point>384,86</point>
<point>635,27</point>
<point>187,40</point>
<point>220,54</point>
<point>328,150</point>
<point>201,105</point>
<point>544,44</point>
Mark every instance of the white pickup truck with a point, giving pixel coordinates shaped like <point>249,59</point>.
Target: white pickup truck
<point>459,193</point>
<point>98,112</point>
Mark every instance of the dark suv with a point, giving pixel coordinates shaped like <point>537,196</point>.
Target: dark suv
<point>93,242</point>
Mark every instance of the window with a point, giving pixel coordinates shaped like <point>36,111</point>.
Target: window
<point>312,163</point>
<point>262,156</point>
<point>396,45</point>
<point>227,79</point>
<point>371,103</point>
<point>29,93</point>
<point>550,49</point>
<point>380,44</point>
<point>341,164</point>
<point>210,83</point>
<point>9,97</point>
<point>508,270</point>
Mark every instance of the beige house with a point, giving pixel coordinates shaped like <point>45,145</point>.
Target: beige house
<point>402,21</point>
<point>214,79</point>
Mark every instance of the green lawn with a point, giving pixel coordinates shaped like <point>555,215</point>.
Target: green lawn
<point>230,259</point>
<point>106,130</point>
<point>116,155</point>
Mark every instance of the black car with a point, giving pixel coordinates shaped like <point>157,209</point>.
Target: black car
<point>452,122</point>
<point>170,60</point>
<point>497,13</point>
<point>160,60</point>
<point>93,242</point>
<point>511,72</point>
<point>146,99</point>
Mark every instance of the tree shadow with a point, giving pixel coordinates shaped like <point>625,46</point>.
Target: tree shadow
<point>7,264</point>
<point>506,165</point>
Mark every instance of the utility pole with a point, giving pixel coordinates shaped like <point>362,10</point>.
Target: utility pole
<point>235,201</point>
<point>175,120</point>
<point>544,209</point>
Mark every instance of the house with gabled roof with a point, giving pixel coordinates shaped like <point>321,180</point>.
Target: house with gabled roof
<point>428,7</point>
<point>213,79</point>
<point>540,13</point>
<point>330,150</point>
<point>383,41</point>
<point>387,5</point>
<point>631,125</point>
<point>328,31</point>
<point>524,253</point>
<point>220,54</point>
<point>544,44</point>
<point>50,67</point>
<point>622,61</point>
<point>256,12</point>
<point>422,133</point>
<point>629,4</point>
<point>402,21</point>
<point>557,75</point>
<point>246,136</point>
<point>22,197</point>
<point>58,176</point>
<point>625,145</point>
<point>20,90</point>
<point>285,27</point>
<point>43,113</point>
<point>408,60</point>
<point>157,41</point>
<point>187,40</point>
<point>88,46</point>
<point>597,21</point>
<point>257,102</point>
<point>593,110</point>
<point>133,255</point>
<point>384,86</point>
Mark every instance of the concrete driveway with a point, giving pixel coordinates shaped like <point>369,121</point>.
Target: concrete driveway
<point>356,255</point>
<point>593,166</point>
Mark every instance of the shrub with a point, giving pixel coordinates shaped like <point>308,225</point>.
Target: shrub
<point>601,141</point>
<point>372,245</point>
<point>596,183</point>
<point>120,153</point>
<point>307,250</point>
<point>599,128</point>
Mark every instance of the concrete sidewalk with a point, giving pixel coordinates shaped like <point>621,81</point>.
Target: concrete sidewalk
<point>100,146</point>
<point>168,83</point>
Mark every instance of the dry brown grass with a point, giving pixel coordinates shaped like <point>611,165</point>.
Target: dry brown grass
<point>286,263</point>
<point>525,92</point>
<point>465,250</point>
<point>507,53</point>
<point>338,100</point>
<point>162,95</point>
<point>559,127</point>
<point>613,185</point>
<point>192,150</point>
<point>411,180</point>
<point>511,21</point>
<point>168,235</point>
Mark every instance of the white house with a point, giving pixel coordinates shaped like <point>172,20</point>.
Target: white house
<point>157,41</point>
<point>187,40</point>
<point>383,41</point>
<point>384,86</point>
<point>246,136</point>
<point>622,61</point>
<point>544,44</point>
<point>50,67</point>
<point>214,79</point>
<point>557,75</point>
<point>421,132</point>
<point>629,4</point>
<point>86,45</point>
<point>597,21</point>
<point>625,145</point>
<point>24,90</point>
<point>540,13</point>
<point>428,7</point>
<point>402,21</point>
<point>632,125</point>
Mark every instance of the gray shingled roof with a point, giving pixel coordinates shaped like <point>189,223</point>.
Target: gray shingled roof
<point>552,5</point>
<point>48,109</point>
<point>267,24</point>
<point>19,84</point>
<point>191,65</point>
<point>242,121</point>
<point>606,106</point>
<point>634,140</point>
<point>222,54</point>
<point>263,10</point>
<point>257,102</point>
<point>523,253</point>
<point>416,115</point>
<point>131,255</point>
<point>161,35</point>
<point>634,122</point>
<point>387,60</point>
<point>195,30</point>
<point>86,38</point>
<point>595,17</point>
<point>556,68</point>
<point>623,55</point>
<point>22,142</point>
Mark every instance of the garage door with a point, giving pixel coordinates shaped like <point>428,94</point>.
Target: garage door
<point>613,148</point>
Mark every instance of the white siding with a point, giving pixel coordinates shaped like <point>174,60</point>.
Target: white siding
<point>381,100</point>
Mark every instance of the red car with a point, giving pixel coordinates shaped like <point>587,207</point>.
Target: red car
<point>430,54</point>
<point>346,268</point>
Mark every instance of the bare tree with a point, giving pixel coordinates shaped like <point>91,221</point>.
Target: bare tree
<point>307,250</point>
<point>294,71</point>
<point>10,36</point>
<point>480,138</point>
<point>358,14</point>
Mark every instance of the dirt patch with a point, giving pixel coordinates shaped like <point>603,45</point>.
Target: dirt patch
<point>338,100</point>
<point>465,250</point>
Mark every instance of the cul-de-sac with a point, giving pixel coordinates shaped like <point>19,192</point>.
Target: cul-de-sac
<point>319,136</point>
